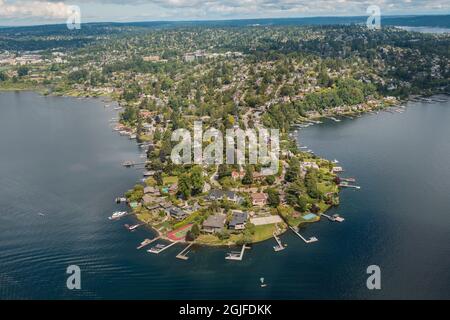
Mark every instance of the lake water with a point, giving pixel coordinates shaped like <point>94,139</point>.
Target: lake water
<point>60,157</point>
<point>436,30</point>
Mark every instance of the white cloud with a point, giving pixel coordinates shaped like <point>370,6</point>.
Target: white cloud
<point>213,9</point>
<point>24,9</point>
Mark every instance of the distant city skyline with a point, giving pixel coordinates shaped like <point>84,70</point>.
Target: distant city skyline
<point>33,12</point>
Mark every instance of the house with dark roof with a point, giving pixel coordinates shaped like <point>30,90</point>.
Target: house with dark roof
<point>216,195</point>
<point>177,213</point>
<point>238,220</point>
<point>214,223</point>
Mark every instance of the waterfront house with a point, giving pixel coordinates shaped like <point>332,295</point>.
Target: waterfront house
<point>151,190</point>
<point>177,213</point>
<point>214,223</point>
<point>149,173</point>
<point>148,198</point>
<point>259,199</point>
<point>238,220</point>
<point>337,169</point>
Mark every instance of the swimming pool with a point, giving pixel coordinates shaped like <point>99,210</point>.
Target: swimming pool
<point>309,216</point>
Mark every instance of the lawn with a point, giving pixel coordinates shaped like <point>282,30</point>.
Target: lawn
<point>263,232</point>
<point>189,219</point>
<point>170,180</point>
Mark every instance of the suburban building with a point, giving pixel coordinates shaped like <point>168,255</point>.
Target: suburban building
<point>214,223</point>
<point>238,220</point>
<point>177,213</point>
<point>216,195</point>
<point>259,199</point>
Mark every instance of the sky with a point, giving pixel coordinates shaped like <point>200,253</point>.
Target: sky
<point>32,12</point>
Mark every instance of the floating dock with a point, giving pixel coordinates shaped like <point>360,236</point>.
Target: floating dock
<point>279,246</point>
<point>147,242</point>
<point>333,218</point>
<point>310,240</point>
<point>183,254</point>
<point>237,255</point>
<point>346,185</point>
<point>161,247</point>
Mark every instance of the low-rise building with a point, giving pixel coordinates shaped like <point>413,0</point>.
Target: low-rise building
<point>238,220</point>
<point>259,199</point>
<point>216,195</point>
<point>214,223</point>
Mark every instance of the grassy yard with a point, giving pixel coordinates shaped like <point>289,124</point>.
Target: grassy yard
<point>263,232</point>
<point>192,218</point>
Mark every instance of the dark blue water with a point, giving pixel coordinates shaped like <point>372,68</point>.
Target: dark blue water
<point>60,157</point>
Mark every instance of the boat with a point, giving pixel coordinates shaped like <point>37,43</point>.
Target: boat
<point>128,164</point>
<point>337,218</point>
<point>117,215</point>
<point>133,136</point>
<point>335,161</point>
<point>121,200</point>
<point>133,227</point>
<point>263,285</point>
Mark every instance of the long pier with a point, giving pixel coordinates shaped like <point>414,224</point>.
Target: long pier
<point>346,185</point>
<point>310,240</point>
<point>237,255</point>
<point>280,246</point>
<point>183,254</point>
<point>147,242</point>
<point>157,250</point>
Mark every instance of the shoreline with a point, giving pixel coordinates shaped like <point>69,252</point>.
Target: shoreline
<point>162,236</point>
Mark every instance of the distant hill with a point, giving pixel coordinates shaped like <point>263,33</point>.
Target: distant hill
<point>42,37</point>
<point>442,21</point>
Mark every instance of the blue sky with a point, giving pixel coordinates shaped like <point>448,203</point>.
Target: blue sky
<point>29,12</point>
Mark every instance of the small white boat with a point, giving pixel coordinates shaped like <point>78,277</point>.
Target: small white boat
<point>117,215</point>
<point>263,285</point>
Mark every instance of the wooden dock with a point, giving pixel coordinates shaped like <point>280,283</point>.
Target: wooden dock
<point>346,185</point>
<point>307,241</point>
<point>183,254</point>
<point>279,246</point>
<point>158,249</point>
<point>237,256</point>
<point>334,218</point>
<point>147,242</point>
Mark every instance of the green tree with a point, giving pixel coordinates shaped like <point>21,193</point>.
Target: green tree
<point>273,197</point>
<point>184,185</point>
<point>248,177</point>
<point>23,71</point>
<point>270,180</point>
<point>158,178</point>
<point>293,172</point>
<point>3,76</point>
<point>302,203</point>
<point>197,180</point>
